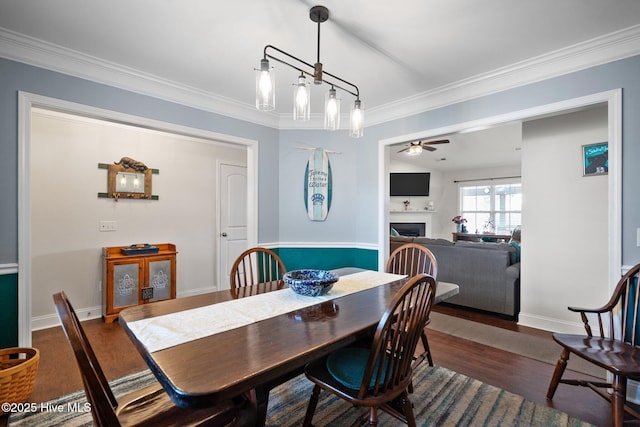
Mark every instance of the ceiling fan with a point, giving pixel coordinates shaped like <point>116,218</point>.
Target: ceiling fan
<point>415,148</point>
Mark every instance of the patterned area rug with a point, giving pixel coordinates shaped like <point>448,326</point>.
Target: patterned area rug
<point>441,398</point>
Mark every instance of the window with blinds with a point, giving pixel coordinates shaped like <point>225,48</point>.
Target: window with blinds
<point>491,208</point>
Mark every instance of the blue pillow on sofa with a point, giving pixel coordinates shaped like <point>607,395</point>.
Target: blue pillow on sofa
<point>517,246</point>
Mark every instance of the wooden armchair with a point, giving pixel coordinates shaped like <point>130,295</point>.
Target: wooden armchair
<point>379,376</point>
<point>614,348</point>
<point>150,406</point>
<point>257,267</point>
<point>412,259</point>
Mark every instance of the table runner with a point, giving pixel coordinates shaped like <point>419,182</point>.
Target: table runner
<point>161,332</point>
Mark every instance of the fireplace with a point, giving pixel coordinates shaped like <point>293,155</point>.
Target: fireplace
<point>409,229</point>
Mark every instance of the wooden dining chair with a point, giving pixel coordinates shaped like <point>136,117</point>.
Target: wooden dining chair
<point>149,406</point>
<point>412,259</point>
<point>258,270</point>
<point>258,266</point>
<point>615,347</point>
<point>379,377</point>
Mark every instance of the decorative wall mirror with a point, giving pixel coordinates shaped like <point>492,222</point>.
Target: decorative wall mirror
<point>128,179</point>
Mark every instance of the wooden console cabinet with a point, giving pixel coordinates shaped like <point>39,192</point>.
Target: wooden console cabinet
<point>131,280</point>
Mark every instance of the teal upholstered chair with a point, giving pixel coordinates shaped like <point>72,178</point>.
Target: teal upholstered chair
<point>378,377</point>
<point>614,347</point>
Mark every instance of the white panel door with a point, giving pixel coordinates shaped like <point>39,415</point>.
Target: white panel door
<point>233,219</point>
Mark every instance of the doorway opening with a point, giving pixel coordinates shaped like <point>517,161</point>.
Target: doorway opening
<point>30,102</point>
<point>611,99</point>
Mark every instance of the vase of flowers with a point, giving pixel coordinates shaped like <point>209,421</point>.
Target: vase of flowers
<point>459,221</point>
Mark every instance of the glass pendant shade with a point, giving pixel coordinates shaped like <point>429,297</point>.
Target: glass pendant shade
<point>356,129</point>
<point>332,110</point>
<point>265,87</point>
<point>265,84</point>
<point>414,150</point>
<point>301,100</point>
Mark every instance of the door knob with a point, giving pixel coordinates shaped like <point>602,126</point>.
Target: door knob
<point>224,234</point>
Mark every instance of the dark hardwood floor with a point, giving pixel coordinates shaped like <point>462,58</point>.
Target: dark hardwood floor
<point>58,374</point>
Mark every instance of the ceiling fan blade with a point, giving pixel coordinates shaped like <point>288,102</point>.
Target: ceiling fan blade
<point>440,141</point>
<point>428,148</point>
<point>404,149</point>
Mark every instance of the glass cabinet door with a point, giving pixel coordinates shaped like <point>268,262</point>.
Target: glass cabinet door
<point>160,279</point>
<point>125,284</point>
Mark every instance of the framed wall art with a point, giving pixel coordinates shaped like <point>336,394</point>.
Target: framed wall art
<point>595,159</point>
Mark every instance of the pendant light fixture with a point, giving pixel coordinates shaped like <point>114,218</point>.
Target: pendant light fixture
<point>265,85</point>
<point>301,99</point>
<point>356,129</point>
<point>332,110</point>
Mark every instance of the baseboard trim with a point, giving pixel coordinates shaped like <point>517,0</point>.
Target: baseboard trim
<point>51,320</point>
<point>8,269</point>
<point>550,324</point>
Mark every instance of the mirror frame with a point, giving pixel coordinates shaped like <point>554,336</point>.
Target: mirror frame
<point>112,177</point>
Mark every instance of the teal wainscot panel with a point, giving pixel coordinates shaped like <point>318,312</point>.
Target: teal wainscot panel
<point>8,310</point>
<point>328,258</point>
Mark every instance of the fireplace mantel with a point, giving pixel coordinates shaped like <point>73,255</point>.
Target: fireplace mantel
<point>414,216</point>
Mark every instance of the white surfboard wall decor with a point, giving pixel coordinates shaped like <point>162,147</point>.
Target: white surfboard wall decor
<point>318,185</point>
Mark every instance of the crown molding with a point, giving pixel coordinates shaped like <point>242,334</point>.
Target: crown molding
<point>39,53</point>
<point>611,47</point>
<point>601,50</point>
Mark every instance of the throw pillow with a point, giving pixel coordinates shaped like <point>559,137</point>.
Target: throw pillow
<point>517,246</point>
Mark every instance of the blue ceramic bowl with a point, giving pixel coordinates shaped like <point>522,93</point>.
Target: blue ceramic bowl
<point>310,283</point>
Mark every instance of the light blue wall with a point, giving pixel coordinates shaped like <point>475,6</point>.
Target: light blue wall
<point>356,186</point>
<point>353,217</point>
<point>16,77</point>
<point>295,225</point>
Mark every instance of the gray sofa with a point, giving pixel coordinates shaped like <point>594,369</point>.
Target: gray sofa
<point>488,273</point>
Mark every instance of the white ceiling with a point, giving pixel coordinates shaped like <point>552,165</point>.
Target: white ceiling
<point>394,52</point>
<point>487,148</point>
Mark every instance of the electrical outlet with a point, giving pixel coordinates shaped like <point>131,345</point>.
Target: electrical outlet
<point>108,226</point>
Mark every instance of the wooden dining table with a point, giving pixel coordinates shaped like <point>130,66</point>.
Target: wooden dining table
<point>259,355</point>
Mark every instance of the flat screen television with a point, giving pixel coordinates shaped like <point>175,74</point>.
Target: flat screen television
<point>409,183</point>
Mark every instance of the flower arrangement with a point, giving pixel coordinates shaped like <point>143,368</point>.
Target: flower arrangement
<point>458,219</point>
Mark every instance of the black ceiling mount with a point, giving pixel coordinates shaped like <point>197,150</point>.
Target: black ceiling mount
<point>319,14</point>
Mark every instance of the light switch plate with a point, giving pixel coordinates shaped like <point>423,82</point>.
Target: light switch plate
<point>108,226</point>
